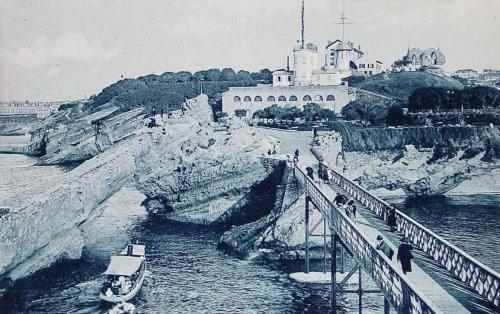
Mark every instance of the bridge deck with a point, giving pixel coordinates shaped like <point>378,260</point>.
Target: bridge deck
<point>419,276</point>
<point>434,281</point>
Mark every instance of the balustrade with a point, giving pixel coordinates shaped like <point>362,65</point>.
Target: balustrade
<point>402,294</point>
<point>482,279</point>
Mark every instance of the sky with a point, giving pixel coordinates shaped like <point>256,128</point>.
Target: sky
<point>70,49</point>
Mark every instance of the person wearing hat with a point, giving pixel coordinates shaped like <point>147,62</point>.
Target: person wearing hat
<point>381,245</point>
<point>404,255</point>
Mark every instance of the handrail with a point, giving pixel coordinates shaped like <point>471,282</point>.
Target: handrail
<point>482,279</point>
<point>404,296</point>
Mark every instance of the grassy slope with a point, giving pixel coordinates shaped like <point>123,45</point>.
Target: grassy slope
<point>401,85</point>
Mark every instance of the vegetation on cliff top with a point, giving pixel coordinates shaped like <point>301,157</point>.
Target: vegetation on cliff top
<point>169,90</point>
<point>401,85</point>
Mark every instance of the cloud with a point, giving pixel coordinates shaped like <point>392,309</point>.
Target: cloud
<point>68,46</point>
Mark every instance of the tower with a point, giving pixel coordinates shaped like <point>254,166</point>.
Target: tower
<point>305,58</point>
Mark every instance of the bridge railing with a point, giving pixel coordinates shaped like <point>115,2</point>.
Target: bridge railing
<point>402,294</point>
<point>484,280</point>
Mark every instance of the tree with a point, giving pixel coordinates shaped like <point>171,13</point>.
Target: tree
<point>259,114</point>
<point>395,115</point>
<point>213,75</point>
<point>228,74</point>
<point>244,76</point>
<point>326,114</point>
<point>200,75</point>
<point>291,113</point>
<point>311,111</point>
<point>183,76</point>
<point>240,113</point>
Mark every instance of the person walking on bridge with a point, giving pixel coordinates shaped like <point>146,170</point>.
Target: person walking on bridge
<point>391,220</point>
<point>404,255</point>
<point>382,246</point>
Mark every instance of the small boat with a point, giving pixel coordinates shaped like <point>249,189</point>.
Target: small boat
<point>125,275</point>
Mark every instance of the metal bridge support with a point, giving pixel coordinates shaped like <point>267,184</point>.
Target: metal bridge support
<point>333,235</point>
<point>342,259</point>
<point>324,246</point>
<point>387,306</point>
<point>360,291</point>
<point>306,222</point>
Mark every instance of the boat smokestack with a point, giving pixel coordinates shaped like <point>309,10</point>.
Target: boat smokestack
<point>288,63</point>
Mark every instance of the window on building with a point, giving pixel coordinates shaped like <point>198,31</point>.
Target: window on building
<point>271,98</point>
<point>257,98</point>
<point>289,78</point>
<point>282,98</point>
<point>318,98</point>
<point>362,66</point>
<point>293,98</point>
<point>236,98</point>
<point>330,98</point>
<point>307,98</point>
<point>279,78</point>
<point>247,98</point>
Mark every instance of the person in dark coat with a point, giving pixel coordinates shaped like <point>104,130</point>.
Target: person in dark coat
<point>340,199</point>
<point>391,220</point>
<point>310,173</point>
<point>404,255</point>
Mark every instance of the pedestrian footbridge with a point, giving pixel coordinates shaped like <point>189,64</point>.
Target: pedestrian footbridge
<point>444,279</point>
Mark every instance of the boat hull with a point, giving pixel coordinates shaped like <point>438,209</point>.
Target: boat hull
<point>128,296</point>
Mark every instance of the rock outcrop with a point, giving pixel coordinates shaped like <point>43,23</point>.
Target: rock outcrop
<point>190,169</point>
<point>88,135</point>
<point>410,171</point>
<point>40,227</point>
<point>204,172</point>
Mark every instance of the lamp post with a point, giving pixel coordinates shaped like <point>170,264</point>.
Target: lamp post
<point>201,86</point>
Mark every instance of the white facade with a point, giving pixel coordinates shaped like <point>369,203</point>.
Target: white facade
<point>283,78</point>
<point>369,66</point>
<point>305,60</point>
<point>468,74</point>
<point>252,99</point>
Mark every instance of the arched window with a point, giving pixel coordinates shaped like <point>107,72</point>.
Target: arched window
<point>434,58</point>
<point>257,98</point>
<point>282,98</point>
<point>330,98</point>
<point>270,98</point>
<point>414,59</point>
<point>247,98</point>
<point>307,98</point>
<point>318,98</point>
<point>237,98</point>
<point>293,98</point>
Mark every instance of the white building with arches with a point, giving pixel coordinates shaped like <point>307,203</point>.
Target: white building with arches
<point>251,99</point>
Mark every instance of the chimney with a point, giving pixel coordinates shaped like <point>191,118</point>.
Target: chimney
<point>288,63</point>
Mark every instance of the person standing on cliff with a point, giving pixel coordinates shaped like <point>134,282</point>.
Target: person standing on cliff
<point>391,220</point>
<point>404,255</point>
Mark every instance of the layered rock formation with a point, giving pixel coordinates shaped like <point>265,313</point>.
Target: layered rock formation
<point>411,171</point>
<point>40,226</point>
<point>199,171</point>
<point>191,169</point>
<point>88,136</point>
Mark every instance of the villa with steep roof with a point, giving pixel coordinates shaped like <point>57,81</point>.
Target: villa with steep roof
<point>417,58</point>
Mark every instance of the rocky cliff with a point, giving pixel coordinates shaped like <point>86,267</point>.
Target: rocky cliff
<point>200,171</point>
<point>410,170</point>
<point>190,169</point>
<point>40,226</point>
<point>87,136</point>
<point>364,139</point>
